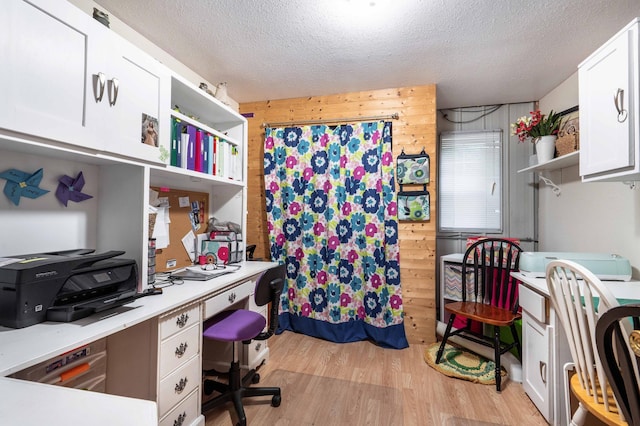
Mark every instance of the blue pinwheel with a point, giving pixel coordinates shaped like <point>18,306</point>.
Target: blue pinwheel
<point>69,189</point>
<point>22,184</point>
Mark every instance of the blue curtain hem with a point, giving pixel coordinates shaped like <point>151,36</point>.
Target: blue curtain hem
<point>392,337</point>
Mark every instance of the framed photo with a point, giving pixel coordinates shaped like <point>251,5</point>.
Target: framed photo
<point>569,133</point>
<point>149,133</point>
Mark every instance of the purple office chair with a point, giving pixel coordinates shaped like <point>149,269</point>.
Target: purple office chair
<point>241,325</point>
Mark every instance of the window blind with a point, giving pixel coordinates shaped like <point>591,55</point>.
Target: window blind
<point>470,181</point>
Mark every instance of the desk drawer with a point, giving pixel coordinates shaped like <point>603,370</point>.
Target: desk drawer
<point>178,384</point>
<point>178,349</point>
<point>184,414</point>
<point>179,320</point>
<point>256,353</point>
<point>533,303</point>
<point>66,368</point>
<point>227,298</point>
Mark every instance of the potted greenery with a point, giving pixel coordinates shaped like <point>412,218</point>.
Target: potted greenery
<point>543,131</point>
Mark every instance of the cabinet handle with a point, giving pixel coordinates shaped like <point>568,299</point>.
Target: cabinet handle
<point>618,101</point>
<point>182,349</point>
<point>543,372</point>
<point>181,418</point>
<point>113,89</point>
<point>232,297</point>
<point>182,320</point>
<point>181,385</point>
<point>98,86</point>
<point>258,346</point>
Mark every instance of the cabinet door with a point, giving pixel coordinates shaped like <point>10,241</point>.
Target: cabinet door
<point>49,52</point>
<point>606,135</point>
<point>536,372</point>
<point>138,96</point>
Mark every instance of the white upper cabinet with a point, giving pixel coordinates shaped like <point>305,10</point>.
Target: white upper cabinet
<point>49,53</point>
<point>139,125</point>
<point>75,96</point>
<point>608,90</point>
<point>67,78</point>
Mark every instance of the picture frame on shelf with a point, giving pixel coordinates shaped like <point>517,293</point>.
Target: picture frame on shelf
<point>569,133</point>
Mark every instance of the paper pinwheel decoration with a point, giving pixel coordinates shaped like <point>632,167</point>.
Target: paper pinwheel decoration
<point>22,184</point>
<point>69,189</point>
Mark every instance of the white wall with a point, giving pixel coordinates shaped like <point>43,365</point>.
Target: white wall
<point>587,217</point>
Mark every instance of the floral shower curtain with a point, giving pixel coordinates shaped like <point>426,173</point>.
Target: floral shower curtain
<point>332,219</point>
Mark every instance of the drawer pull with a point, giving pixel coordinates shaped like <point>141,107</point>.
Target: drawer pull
<point>75,371</point>
<point>258,346</point>
<point>232,297</point>
<point>180,386</point>
<point>181,418</point>
<point>182,320</point>
<point>182,349</point>
<point>543,372</point>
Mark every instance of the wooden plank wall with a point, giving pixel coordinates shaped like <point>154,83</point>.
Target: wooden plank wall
<point>415,129</point>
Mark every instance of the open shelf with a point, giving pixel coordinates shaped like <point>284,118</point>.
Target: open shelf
<point>557,163</point>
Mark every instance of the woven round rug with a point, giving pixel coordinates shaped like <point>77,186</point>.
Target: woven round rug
<point>462,364</point>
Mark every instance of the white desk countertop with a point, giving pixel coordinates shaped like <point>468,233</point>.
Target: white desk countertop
<point>29,403</point>
<point>629,290</point>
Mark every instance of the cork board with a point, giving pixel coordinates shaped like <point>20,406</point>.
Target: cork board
<point>180,201</point>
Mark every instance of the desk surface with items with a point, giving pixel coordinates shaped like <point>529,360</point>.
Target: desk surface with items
<point>32,344</point>
<point>614,271</point>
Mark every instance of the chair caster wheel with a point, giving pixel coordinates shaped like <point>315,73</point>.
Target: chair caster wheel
<point>255,379</point>
<point>276,400</point>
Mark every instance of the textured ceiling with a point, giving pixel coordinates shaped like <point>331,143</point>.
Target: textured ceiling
<point>477,52</point>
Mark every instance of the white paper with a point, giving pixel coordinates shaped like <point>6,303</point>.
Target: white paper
<point>8,261</point>
<point>153,197</point>
<point>161,229</point>
<point>184,202</point>
<point>201,238</point>
<point>189,243</point>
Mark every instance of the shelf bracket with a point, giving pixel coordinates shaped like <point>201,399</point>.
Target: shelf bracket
<point>555,188</point>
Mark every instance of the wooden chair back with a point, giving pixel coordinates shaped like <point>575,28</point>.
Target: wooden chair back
<point>578,304</point>
<point>491,262</point>
<point>619,349</point>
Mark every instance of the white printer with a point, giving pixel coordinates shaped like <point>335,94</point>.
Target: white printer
<point>610,267</point>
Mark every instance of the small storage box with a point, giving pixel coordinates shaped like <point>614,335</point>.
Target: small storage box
<point>224,252</point>
<point>81,368</point>
<point>452,287</point>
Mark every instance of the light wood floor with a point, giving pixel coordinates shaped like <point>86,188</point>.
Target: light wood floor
<point>426,396</point>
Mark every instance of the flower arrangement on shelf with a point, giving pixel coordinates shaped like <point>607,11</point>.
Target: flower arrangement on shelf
<point>536,125</point>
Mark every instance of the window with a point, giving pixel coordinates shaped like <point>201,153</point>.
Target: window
<point>470,181</point>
